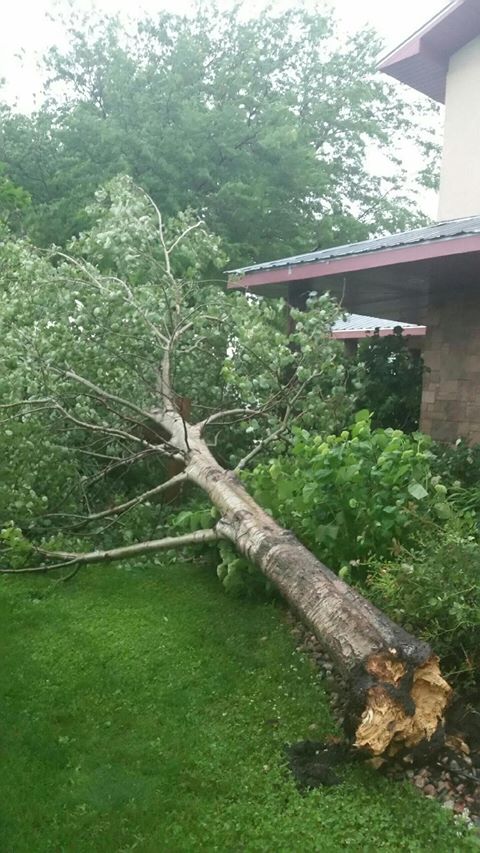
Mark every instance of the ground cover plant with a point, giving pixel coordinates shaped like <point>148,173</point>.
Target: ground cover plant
<point>142,709</point>
<point>434,589</point>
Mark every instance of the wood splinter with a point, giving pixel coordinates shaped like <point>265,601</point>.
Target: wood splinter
<point>388,724</point>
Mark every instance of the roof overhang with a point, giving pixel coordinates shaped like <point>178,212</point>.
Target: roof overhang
<point>393,283</point>
<point>360,334</point>
<point>422,60</point>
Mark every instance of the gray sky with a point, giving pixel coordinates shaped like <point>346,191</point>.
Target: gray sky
<point>26,28</point>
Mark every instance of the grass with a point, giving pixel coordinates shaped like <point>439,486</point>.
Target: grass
<point>142,709</point>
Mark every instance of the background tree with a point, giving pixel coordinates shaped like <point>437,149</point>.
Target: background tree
<point>101,346</point>
<point>14,201</point>
<point>263,126</point>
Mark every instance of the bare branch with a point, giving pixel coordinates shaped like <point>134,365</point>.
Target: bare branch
<point>165,385</point>
<point>164,448</point>
<point>227,413</point>
<point>118,433</point>
<point>20,403</point>
<point>277,433</point>
<point>114,465</point>
<point>183,235</point>
<point>259,447</point>
<point>160,231</point>
<point>91,453</point>
<point>97,282</point>
<point>103,394</point>
<point>121,508</point>
<point>167,251</point>
<point>198,537</point>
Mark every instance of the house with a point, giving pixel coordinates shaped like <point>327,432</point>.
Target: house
<point>428,276</point>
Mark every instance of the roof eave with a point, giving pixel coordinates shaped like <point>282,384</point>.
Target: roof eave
<point>382,332</point>
<point>422,70</point>
<point>356,263</point>
<point>421,61</point>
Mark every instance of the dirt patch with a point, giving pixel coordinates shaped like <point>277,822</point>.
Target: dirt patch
<point>314,764</point>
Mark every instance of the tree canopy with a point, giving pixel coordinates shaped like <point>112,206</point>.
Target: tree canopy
<point>263,126</point>
<point>99,318</point>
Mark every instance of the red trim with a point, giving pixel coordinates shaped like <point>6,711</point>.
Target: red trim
<point>355,263</point>
<point>357,334</point>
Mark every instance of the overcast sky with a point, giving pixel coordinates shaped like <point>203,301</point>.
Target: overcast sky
<point>26,28</point>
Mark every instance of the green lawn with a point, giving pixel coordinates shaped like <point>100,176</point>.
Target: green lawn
<point>137,708</point>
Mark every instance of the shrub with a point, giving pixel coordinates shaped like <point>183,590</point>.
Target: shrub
<point>353,496</point>
<point>434,591</point>
<point>459,464</point>
<point>238,576</point>
<point>392,384</point>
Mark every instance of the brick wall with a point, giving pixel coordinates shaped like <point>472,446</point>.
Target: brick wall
<point>451,388</point>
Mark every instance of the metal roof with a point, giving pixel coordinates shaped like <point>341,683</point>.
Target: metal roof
<point>448,230</point>
<point>363,323</point>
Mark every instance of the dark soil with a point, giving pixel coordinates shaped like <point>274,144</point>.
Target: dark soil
<point>314,764</point>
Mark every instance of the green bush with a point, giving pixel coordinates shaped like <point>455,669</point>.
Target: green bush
<point>354,496</point>
<point>379,507</point>
<point>459,464</point>
<point>392,384</point>
<point>240,577</point>
<point>434,591</point>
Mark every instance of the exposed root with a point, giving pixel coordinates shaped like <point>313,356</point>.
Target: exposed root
<point>385,725</point>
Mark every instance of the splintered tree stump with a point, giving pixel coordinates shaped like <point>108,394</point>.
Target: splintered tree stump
<point>397,695</point>
<point>404,703</point>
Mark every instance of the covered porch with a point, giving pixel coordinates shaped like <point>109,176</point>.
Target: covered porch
<point>429,276</point>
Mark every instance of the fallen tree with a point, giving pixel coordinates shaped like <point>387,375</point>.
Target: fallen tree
<point>112,378</point>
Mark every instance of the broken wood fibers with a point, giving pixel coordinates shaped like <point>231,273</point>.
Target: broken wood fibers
<point>386,723</point>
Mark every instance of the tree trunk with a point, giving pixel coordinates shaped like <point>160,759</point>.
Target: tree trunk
<point>397,694</point>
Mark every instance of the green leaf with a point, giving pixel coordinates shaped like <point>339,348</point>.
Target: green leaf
<point>444,510</point>
<point>363,416</point>
<point>417,491</point>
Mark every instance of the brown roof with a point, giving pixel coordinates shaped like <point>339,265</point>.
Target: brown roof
<point>422,60</point>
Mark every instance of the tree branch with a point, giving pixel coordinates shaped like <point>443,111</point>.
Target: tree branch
<point>102,393</point>
<point>121,508</point>
<point>130,297</point>
<point>183,235</point>
<point>227,413</point>
<point>259,447</point>
<point>198,537</point>
<point>164,448</point>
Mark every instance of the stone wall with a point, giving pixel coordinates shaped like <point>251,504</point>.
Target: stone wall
<point>451,388</point>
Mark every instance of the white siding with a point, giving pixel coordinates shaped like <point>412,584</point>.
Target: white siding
<point>460,177</point>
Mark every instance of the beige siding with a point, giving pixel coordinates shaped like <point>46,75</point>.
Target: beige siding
<point>460,179</point>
